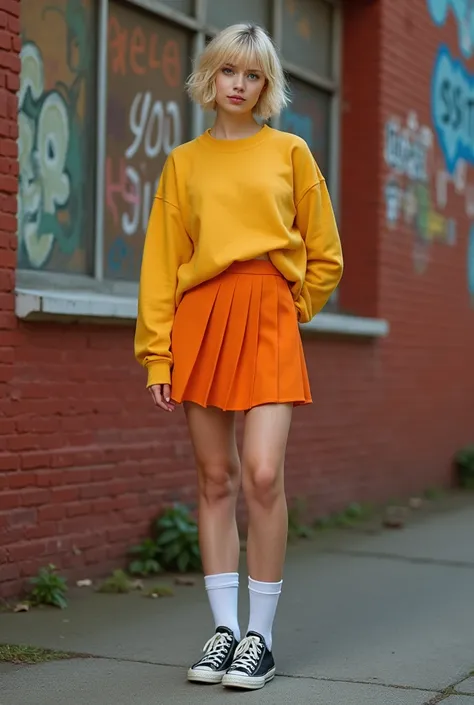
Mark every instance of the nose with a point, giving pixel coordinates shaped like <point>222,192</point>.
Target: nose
<point>239,82</point>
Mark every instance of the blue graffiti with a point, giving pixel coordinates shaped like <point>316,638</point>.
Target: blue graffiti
<point>120,259</point>
<point>297,124</point>
<point>452,107</point>
<point>464,13</point>
<point>470,262</point>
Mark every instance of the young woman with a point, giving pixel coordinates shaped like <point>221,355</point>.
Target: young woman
<point>241,245</point>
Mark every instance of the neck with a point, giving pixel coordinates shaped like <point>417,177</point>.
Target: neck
<point>228,127</point>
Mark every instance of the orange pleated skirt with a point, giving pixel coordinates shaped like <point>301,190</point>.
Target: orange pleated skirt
<point>236,343</point>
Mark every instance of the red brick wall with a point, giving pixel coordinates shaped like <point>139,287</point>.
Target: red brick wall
<point>86,461</point>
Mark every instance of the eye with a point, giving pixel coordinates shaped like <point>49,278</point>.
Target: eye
<point>226,70</point>
<point>253,77</point>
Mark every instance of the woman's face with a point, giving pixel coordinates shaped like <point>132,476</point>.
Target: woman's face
<point>238,87</point>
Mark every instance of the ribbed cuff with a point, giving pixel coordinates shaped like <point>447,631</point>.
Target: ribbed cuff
<point>158,373</point>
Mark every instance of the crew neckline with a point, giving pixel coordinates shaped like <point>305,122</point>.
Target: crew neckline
<point>224,145</point>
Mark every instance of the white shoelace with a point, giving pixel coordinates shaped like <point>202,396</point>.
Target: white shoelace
<point>247,654</point>
<point>215,650</point>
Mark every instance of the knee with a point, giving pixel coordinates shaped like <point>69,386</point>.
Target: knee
<point>219,481</point>
<point>263,483</point>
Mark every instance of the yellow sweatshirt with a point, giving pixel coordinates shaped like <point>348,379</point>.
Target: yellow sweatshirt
<point>221,201</point>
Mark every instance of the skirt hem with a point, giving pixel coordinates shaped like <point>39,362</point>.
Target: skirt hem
<point>268,402</point>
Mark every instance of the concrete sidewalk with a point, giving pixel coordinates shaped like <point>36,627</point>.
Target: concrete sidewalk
<point>383,619</point>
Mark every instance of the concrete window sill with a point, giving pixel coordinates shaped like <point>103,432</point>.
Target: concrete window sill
<point>67,305</point>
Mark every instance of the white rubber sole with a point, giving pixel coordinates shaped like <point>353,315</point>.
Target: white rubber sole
<point>231,680</point>
<point>199,675</point>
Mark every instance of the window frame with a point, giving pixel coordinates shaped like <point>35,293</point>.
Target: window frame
<point>35,281</point>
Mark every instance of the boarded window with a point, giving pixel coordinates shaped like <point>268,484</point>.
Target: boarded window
<point>56,135</point>
<point>307,34</point>
<point>147,116</point>
<point>222,13</point>
<point>309,117</point>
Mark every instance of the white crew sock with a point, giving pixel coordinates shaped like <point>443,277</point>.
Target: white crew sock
<point>222,591</point>
<point>263,603</point>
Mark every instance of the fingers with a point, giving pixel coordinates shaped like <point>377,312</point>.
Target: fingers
<point>161,395</point>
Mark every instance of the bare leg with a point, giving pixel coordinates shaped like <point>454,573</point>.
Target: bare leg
<point>265,440</point>
<point>263,457</point>
<point>213,437</point>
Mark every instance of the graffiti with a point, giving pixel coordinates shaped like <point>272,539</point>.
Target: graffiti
<point>408,154</point>
<point>463,11</point>
<point>453,109</point>
<point>308,117</point>
<point>144,124</point>
<point>51,141</point>
<point>406,149</point>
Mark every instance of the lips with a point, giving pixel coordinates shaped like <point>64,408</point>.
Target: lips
<point>236,98</point>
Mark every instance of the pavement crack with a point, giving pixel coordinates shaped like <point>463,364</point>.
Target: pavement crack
<point>358,681</point>
<point>280,674</point>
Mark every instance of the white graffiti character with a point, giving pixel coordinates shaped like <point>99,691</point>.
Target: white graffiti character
<point>43,145</point>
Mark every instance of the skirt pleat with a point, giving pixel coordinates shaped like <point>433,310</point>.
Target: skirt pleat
<point>236,342</point>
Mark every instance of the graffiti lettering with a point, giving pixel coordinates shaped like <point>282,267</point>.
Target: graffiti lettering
<point>406,151</point>
<point>463,11</point>
<point>453,109</point>
<point>52,140</point>
<point>131,189</point>
<point>153,125</point>
<point>132,50</point>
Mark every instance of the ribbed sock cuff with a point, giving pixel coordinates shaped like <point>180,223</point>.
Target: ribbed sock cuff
<point>221,580</point>
<point>265,588</point>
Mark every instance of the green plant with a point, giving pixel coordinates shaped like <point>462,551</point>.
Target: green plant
<point>49,588</point>
<point>159,591</point>
<point>118,583</point>
<point>352,515</point>
<point>18,653</point>
<point>146,561</point>
<point>297,528</point>
<point>178,539</point>
<point>464,461</point>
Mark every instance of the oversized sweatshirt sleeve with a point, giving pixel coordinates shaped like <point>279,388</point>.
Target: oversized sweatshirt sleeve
<point>316,221</point>
<point>167,247</point>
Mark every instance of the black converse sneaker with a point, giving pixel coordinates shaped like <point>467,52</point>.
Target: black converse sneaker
<point>253,664</point>
<point>218,654</point>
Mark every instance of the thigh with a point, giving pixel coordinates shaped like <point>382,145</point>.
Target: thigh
<point>265,437</point>
<point>213,437</point>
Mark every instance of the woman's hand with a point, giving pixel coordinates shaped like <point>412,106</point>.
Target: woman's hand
<point>161,395</point>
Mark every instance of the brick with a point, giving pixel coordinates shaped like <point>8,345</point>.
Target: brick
<point>36,497</point>
<point>9,148</point>
<point>64,494</point>
<point>8,184</point>
<point>9,461</point>
<point>51,512</point>
<point>5,39</point>
<point>3,19</point>
<point>14,25</point>
<point>42,531</point>
<point>12,7</point>
<point>22,517</point>
<point>9,571</point>
<point>35,459</point>
<point>9,500</point>
<point>19,480</point>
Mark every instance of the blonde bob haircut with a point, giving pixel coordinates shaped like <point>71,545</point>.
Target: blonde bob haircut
<point>252,46</point>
